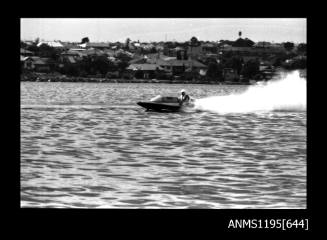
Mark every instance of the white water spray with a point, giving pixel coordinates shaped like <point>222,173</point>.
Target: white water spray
<point>285,94</point>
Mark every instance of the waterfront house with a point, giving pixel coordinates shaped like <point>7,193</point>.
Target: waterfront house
<point>71,56</point>
<point>26,53</point>
<point>144,70</point>
<point>38,64</point>
<point>178,67</point>
<point>112,74</point>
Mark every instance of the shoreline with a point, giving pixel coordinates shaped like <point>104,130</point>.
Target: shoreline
<point>63,78</point>
<point>55,77</point>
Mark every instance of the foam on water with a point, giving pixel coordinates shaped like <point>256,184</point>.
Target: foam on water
<point>288,93</point>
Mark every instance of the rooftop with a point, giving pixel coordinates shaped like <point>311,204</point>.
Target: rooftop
<point>144,67</point>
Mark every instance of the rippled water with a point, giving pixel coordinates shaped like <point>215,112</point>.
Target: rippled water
<point>89,145</point>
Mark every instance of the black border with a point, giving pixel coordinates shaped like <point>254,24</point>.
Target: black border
<point>188,221</point>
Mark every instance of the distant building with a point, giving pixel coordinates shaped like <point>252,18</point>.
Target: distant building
<point>100,46</point>
<point>25,52</point>
<point>37,64</point>
<point>194,51</point>
<point>70,46</point>
<point>262,44</point>
<point>93,52</point>
<point>53,44</point>
<point>209,48</point>
<point>71,56</point>
<point>144,70</point>
<point>179,66</point>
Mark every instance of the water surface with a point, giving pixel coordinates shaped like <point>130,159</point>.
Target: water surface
<point>89,145</point>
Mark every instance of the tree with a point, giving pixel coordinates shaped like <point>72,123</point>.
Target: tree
<point>123,57</point>
<point>194,42</point>
<point>122,65</point>
<point>85,40</point>
<point>22,44</point>
<point>243,43</point>
<point>250,68</point>
<point>214,71</point>
<point>71,69</point>
<point>178,55</point>
<point>302,48</point>
<point>33,48</point>
<point>288,46</point>
<point>47,51</point>
<point>185,57</point>
<point>127,43</point>
<point>101,64</point>
<point>234,62</point>
<point>153,50</point>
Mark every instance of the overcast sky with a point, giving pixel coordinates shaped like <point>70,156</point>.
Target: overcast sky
<point>162,29</point>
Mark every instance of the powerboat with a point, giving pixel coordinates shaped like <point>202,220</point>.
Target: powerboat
<point>159,103</point>
<point>163,104</point>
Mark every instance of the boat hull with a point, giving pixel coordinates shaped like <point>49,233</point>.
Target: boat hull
<point>171,107</point>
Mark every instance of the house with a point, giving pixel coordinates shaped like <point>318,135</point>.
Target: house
<point>144,70</point>
<point>25,52</point>
<point>37,64</point>
<point>93,52</point>
<point>67,59</point>
<point>150,58</point>
<point>262,44</point>
<point>29,42</point>
<point>147,46</point>
<point>100,46</point>
<point>54,44</point>
<point>110,52</point>
<point>112,74</point>
<point>69,46</point>
<point>71,56</point>
<point>180,53</point>
<point>209,48</point>
<point>179,66</point>
<point>194,51</point>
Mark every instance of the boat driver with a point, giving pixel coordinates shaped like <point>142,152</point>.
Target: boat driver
<point>184,97</point>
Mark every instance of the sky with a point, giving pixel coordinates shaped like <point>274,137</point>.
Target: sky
<point>164,29</point>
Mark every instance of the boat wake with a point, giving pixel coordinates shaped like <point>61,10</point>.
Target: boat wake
<point>285,94</point>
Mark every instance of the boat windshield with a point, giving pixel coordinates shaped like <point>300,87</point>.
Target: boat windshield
<point>162,99</point>
<point>156,99</point>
